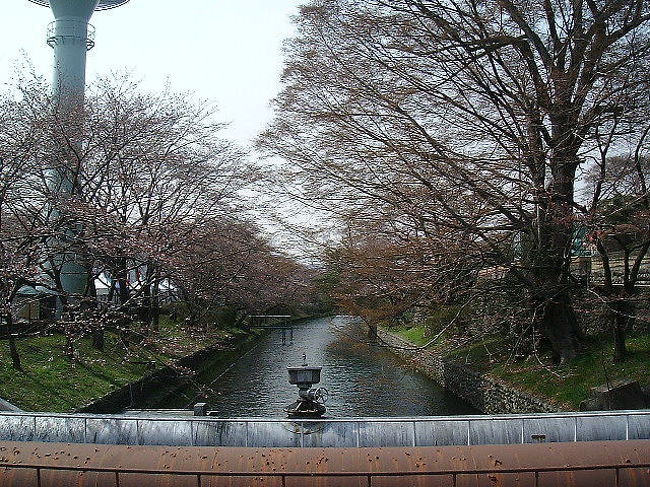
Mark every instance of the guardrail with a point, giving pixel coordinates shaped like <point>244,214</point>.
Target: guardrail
<point>326,433</point>
<point>600,463</point>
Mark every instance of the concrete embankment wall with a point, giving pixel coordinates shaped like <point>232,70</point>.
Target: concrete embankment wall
<point>490,395</point>
<point>166,379</point>
<point>7,406</point>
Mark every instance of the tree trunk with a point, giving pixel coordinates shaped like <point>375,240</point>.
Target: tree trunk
<point>123,295</point>
<point>98,339</point>
<point>551,298</point>
<point>623,311</point>
<point>560,327</point>
<point>13,349</point>
<point>145,308</point>
<point>552,261</point>
<point>372,333</point>
<point>155,307</point>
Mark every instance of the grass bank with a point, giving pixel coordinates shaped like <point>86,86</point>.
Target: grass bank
<point>566,385</point>
<point>52,382</point>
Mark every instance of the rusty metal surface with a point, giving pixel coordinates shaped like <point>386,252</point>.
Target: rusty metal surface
<point>610,463</point>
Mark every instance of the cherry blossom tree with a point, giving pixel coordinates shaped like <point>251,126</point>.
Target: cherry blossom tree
<point>463,116</point>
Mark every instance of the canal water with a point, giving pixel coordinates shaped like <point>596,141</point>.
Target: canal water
<point>362,379</point>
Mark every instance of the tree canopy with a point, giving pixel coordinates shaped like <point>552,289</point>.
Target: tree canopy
<point>465,121</point>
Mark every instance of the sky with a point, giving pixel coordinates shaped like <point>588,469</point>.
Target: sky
<point>226,51</point>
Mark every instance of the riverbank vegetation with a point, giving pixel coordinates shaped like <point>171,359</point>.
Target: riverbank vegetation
<point>479,159</point>
<point>567,385</point>
<point>51,381</point>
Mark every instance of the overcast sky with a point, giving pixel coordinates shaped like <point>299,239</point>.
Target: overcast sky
<point>224,50</point>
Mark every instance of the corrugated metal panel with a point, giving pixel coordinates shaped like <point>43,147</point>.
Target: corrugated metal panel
<point>441,433</point>
<point>349,432</point>
<point>591,428</point>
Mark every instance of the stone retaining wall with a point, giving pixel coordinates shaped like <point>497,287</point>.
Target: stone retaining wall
<point>488,394</point>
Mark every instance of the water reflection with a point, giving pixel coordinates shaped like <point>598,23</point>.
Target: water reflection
<point>363,380</point>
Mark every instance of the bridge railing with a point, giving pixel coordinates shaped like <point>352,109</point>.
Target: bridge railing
<point>334,432</point>
<point>601,463</point>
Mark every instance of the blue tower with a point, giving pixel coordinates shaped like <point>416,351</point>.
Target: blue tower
<point>71,36</point>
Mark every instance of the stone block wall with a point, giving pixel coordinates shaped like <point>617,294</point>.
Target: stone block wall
<point>488,394</point>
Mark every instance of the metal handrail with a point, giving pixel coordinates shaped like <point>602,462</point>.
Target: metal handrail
<point>262,473</point>
<point>388,419</point>
<point>80,31</point>
<point>614,463</point>
<point>303,428</point>
<point>103,4</point>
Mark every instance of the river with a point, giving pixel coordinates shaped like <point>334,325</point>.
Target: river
<point>362,379</point>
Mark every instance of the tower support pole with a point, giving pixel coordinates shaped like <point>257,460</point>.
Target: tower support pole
<point>71,36</point>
